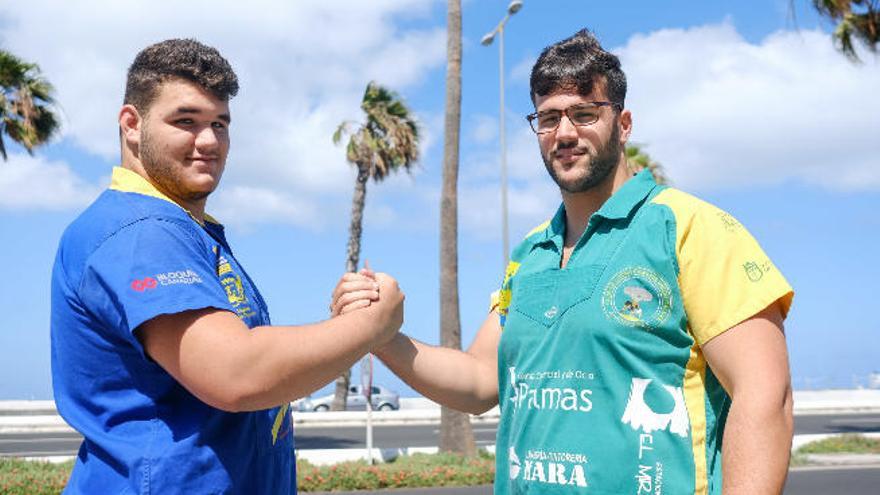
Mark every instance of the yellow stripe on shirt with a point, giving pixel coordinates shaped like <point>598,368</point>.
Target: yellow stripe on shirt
<point>695,399</point>
<point>279,420</point>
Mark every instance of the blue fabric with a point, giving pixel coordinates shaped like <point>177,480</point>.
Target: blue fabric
<point>127,259</point>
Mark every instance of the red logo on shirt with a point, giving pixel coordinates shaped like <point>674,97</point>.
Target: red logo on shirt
<point>145,284</point>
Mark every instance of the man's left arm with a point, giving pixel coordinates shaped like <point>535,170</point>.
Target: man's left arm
<point>751,362</point>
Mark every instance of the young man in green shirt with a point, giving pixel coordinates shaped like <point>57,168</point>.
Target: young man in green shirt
<point>636,343</point>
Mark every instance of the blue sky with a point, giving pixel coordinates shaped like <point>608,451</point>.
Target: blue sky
<point>745,103</point>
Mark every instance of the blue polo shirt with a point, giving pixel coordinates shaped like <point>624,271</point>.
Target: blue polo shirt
<point>131,256</point>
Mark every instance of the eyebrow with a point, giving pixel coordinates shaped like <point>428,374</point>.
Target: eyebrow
<point>223,116</point>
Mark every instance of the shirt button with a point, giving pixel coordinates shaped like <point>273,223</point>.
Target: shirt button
<point>551,312</point>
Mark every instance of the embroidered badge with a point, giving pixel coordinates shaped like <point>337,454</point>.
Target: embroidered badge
<point>234,288</point>
<point>637,297</point>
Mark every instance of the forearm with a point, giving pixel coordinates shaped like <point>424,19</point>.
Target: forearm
<point>757,444</point>
<point>267,366</point>
<point>451,377</point>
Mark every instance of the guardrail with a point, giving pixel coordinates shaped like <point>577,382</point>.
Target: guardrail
<point>41,416</point>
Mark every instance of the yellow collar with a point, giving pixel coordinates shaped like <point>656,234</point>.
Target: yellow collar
<point>125,180</point>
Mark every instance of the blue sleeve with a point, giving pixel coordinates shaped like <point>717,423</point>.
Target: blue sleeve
<point>150,268</point>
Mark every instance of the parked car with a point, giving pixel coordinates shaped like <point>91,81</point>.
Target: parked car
<point>381,398</point>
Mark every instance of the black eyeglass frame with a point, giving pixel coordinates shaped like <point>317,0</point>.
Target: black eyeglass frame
<point>532,116</point>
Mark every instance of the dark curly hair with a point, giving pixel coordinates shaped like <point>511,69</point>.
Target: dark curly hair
<point>185,59</point>
<point>576,63</point>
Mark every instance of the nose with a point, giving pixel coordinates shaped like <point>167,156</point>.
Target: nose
<point>207,139</point>
<point>566,131</point>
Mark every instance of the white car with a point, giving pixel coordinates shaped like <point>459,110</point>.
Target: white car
<point>381,398</point>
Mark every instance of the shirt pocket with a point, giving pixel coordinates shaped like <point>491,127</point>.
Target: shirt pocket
<point>544,297</point>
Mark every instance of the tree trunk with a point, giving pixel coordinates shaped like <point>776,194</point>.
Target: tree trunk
<point>456,434</point>
<point>354,251</point>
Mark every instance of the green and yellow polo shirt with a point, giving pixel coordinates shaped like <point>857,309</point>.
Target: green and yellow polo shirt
<point>603,384</point>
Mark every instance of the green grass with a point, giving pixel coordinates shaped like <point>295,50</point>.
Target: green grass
<point>798,460</point>
<point>19,477</point>
<point>418,470</point>
<point>849,443</point>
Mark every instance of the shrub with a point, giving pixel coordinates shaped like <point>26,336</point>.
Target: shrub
<point>850,443</point>
<point>18,477</point>
<point>418,470</point>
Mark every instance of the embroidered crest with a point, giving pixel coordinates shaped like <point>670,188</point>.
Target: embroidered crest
<point>637,297</point>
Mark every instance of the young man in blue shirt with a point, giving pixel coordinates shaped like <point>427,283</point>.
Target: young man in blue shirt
<point>163,356</point>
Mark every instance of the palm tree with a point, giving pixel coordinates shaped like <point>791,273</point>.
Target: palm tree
<point>456,434</point>
<point>26,104</point>
<point>856,19</point>
<point>637,160</point>
<point>386,142</point>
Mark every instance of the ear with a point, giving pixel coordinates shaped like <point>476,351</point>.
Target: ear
<point>625,122</point>
<point>130,125</point>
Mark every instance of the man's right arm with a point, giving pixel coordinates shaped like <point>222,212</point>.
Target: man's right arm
<point>228,366</point>
<point>463,380</point>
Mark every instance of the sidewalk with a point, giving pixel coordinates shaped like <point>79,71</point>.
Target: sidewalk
<point>42,417</point>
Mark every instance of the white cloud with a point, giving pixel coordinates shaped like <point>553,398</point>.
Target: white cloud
<point>522,70</point>
<point>302,66</point>
<point>485,128</point>
<point>35,183</point>
<point>715,109</point>
<point>719,111</point>
<point>529,204</point>
<point>242,207</point>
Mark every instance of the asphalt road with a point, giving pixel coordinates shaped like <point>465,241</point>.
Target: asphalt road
<point>840,481</point>
<point>46,444</point>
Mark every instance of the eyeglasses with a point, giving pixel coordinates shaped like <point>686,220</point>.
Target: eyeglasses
<point>582,114</point>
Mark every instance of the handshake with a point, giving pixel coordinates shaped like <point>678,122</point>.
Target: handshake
<point>376,296</point>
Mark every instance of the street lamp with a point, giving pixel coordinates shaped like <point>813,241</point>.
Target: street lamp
<point>513,8</point>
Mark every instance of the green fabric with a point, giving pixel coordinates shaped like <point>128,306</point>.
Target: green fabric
<point>592,359</point>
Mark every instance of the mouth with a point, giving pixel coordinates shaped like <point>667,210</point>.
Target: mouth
<point>203,161</point>
<point>567,155</point>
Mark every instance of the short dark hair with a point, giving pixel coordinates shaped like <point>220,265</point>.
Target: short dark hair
<point>185,59</point>
<point>576,63</point>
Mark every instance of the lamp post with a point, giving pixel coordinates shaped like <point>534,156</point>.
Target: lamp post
<point>513,8</point>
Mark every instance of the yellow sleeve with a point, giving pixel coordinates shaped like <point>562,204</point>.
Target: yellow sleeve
<point>725,277</point>
<point>500,299</point>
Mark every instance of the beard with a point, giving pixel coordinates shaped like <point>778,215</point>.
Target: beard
<point>598,166</point>
<point>162,171</point>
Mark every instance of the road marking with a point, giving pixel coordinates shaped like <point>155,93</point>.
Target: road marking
<point>475,430</point>
<point>36,453</point>
<point>863,421</point>
<point>854,467</point>
<point>41,439</point>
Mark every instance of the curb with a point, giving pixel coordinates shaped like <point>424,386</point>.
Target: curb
<point>834,460</point>
<point>53,423</point>
<point>323,457</point>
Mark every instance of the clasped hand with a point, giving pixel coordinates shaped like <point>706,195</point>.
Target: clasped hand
<point>379,293</point>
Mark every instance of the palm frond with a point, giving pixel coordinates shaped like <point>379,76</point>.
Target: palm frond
<point>26,103</point>
<point>387,140</point>
<point>637,160</point>
<point>856,20</point>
